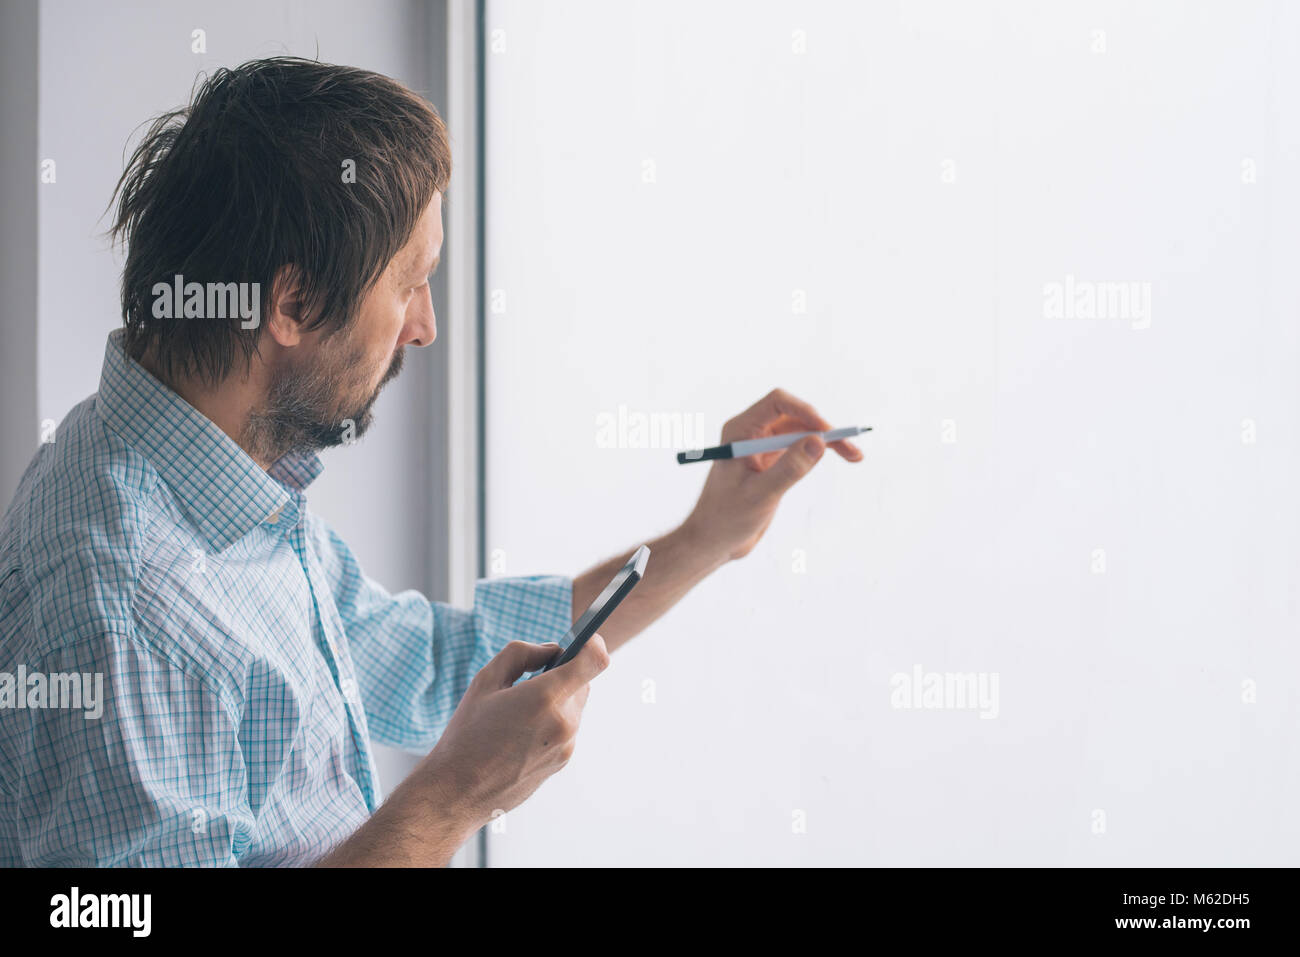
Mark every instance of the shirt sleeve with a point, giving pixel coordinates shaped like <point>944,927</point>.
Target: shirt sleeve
<point>147,772</point>
<point>414,658</point>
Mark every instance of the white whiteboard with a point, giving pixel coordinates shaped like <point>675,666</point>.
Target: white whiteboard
<point>868,205</point>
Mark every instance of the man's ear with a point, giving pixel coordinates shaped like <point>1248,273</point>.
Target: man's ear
<point>285,322</point>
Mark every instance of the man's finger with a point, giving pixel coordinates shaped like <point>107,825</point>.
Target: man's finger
<point>847,450</point>
<point>572,675</point>
<point>794,463</point>
<point>782,426</point>
<point>768,409</point>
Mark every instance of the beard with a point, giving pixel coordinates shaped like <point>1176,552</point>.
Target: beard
<point>317,406</point>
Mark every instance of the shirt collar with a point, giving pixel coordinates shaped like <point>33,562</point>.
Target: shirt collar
<point>218,485</point>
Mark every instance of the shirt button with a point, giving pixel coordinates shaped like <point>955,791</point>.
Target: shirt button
<point>349,688</point>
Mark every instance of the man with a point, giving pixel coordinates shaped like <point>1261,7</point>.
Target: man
<point>280,235</point>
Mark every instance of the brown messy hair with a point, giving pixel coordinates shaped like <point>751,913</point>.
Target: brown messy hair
<point>249,179</point>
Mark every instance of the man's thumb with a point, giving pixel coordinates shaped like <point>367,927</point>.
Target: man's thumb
<point>513,660</point>
<point>795,463</point>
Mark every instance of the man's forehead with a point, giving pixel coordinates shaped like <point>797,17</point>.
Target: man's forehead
<point>428,232</point>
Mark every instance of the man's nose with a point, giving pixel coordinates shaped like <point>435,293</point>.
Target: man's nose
<point>424,328</point>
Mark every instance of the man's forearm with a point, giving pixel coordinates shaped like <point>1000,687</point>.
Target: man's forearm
<point>413,828</point>
<point>678,561</point>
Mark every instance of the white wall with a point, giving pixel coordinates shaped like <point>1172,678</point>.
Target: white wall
<point>104,70</point>
<point>918,173</point>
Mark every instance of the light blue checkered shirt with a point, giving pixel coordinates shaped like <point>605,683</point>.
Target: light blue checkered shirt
<point>247,660</point>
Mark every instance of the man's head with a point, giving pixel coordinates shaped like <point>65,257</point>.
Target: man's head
<point>317,191</point>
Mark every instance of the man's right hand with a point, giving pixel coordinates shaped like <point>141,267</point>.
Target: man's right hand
<point>501,743</point>
<point>504,739</point>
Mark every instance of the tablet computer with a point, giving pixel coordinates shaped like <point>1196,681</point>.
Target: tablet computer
<point>600,609</point>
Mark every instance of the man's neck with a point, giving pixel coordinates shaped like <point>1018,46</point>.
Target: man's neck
<point>228,405</point>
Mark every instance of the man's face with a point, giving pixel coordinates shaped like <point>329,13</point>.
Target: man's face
<point>324,394</point>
